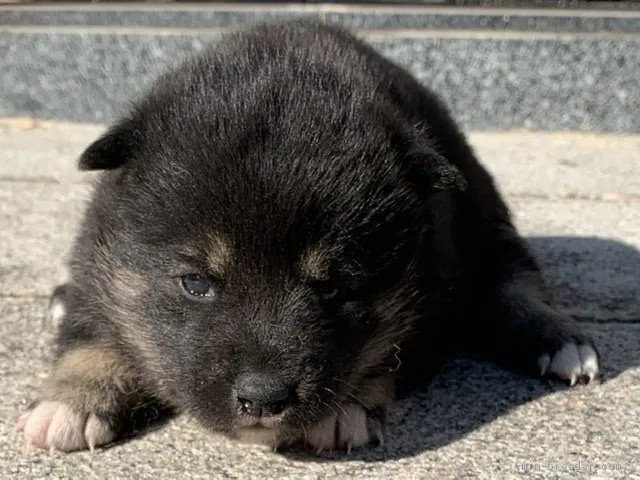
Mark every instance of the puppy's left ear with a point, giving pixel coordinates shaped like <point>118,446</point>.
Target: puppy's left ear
<point>443,175</point>
<point>113,149</point>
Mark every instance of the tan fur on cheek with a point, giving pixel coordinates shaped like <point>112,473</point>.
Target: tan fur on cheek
<point>141,341</point>
<point>124,288</point>
<point>123,284</point>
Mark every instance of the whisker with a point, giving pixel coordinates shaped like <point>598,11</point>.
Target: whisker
<point>352,395</point>
<point>351,385</point>
<point>340,407</point>
<point>378,388</point>
<point>329,407</point>
<point>359,400</point>
<point>331,391</point>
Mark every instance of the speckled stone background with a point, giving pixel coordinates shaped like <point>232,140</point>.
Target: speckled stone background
<point>499,69</point>
<point>380,17</point>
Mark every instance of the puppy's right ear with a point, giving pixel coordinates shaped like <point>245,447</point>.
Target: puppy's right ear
<point>113,149</point>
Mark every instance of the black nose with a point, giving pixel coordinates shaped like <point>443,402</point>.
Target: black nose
<point>263,395</point>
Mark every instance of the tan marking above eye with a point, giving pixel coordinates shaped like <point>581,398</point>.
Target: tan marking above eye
<point>213,255</point>
<point>315,263</point>
<point>218,255</point>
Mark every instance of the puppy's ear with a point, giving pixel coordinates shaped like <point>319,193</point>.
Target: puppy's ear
<point>443,175</point>
<point>113,149</point>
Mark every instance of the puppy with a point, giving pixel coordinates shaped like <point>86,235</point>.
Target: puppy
<point>289,233</point>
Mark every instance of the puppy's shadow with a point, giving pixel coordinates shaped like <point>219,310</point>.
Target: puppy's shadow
<point>597,280</point>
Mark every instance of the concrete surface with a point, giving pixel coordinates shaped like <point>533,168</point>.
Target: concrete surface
<point>575,195</point>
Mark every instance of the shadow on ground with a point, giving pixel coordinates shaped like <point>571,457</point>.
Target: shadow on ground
<point>467,394</point>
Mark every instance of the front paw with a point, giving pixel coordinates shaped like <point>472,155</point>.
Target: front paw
<point>572,363</point>
<point>350,427</point>
<point>55,426</point>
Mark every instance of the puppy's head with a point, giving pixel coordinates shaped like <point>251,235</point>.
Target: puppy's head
<point>262,263</point>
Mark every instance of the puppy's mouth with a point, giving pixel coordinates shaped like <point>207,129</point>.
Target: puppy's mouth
<point>262,430</point>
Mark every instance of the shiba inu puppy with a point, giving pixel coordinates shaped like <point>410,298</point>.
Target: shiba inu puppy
<point>289,233</point>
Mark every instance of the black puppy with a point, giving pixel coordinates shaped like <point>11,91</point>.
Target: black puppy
<point>290,233</point>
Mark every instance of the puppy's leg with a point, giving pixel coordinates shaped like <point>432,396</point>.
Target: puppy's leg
<point>521,330</point>
<point>91,390</point>
<point>515,325</point>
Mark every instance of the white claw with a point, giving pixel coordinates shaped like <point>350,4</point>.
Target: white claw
<point>571,363</point>
<point>57,311</point>
<point>543,362</point>
<point>378,435</point>
<point>590,361</point>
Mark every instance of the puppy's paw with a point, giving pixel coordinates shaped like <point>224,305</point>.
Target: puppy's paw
<point>351,427</point>
<point>55,426</point>
<point>571,363</point>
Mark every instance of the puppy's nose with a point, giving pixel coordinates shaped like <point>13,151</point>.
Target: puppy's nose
<point>263,395</point>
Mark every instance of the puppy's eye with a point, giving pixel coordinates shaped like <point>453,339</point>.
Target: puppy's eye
<point>197,285</point>
<point>327,292</point>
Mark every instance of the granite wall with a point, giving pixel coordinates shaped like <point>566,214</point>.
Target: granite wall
<point>498,69</point>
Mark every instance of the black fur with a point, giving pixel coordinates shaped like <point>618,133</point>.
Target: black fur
<point>280,141</point>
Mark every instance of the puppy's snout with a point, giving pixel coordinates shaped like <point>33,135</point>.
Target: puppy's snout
<point>263,395</point>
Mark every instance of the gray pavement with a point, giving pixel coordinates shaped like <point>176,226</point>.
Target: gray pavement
<point>577,196</point>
